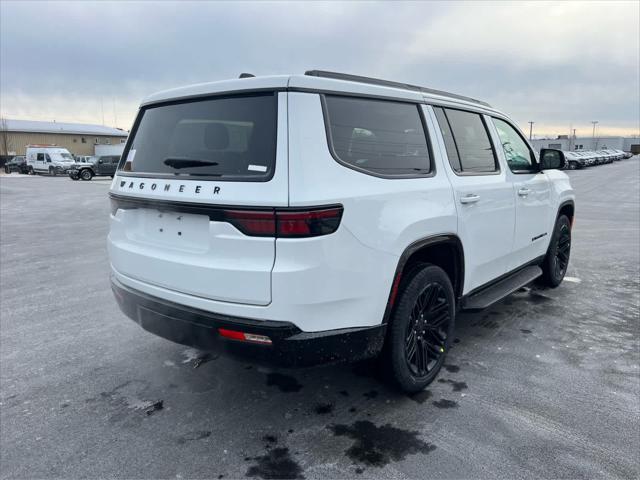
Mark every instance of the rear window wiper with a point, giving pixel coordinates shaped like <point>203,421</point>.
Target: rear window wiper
<point>178,163</point>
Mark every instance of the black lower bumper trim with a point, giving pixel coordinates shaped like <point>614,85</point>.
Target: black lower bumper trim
<point>290,346</point>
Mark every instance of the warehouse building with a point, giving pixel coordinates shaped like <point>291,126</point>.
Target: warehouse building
<point>567,143</point>
<point>78,138</point>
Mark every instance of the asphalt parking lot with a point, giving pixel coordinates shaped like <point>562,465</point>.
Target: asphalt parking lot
<point>545,384</point>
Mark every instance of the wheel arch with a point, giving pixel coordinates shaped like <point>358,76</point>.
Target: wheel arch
<point>445,251</point>
<point>567,208</point>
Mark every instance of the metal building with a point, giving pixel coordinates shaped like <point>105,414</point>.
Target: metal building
<point>78,138</point>
<point>564,142</point>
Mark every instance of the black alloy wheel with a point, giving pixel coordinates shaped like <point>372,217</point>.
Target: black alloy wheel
<point>556,261</point>
<point>562,252</point>
<point>426,331</point>
<point>420,328</point>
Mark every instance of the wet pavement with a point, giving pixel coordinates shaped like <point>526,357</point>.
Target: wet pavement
<point>545,384</point>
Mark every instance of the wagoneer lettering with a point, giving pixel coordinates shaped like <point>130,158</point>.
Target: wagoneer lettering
<point>358,217</point>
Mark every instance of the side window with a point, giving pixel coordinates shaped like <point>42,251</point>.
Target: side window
<point>519,157</point>
<point>377,136</point>
<point>470,138</point>
<point>40,157</point>
<point>449,142</point>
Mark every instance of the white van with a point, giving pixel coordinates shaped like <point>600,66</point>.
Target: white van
<point>48,159</point>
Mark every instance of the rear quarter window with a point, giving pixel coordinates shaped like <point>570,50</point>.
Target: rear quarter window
<point>378,137</point>
<point>227,138</point>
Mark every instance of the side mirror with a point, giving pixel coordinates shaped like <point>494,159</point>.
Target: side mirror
<point>551,159</point>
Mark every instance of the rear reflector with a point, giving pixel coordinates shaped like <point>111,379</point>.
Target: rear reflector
<point>285,223</point>
<point>244,337</point>
<point>394,289</point>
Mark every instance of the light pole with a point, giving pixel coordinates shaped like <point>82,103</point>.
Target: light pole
<point>531,129</point>
<point>593,135</point>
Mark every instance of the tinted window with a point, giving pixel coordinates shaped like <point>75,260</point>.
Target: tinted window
<point>449,142</point>
<point>381,137</point>
<point>516,150</point>
<point>41,157</point>
<point>231,138</point>
<point>472,142</point>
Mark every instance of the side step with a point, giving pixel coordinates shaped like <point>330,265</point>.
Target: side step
<point>490,295</point>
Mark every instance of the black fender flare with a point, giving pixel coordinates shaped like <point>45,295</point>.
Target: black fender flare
<point>570,203</point>
<point>419,245</point>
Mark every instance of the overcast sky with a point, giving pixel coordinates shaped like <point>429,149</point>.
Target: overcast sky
<point>558,64</point>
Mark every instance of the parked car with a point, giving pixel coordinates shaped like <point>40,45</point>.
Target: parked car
<point>615,154</point>
<point>48,159</point>
<point>102,165</point>
<point>607,156</point>
<point>84,158</point>
<point>16,164</point>
<point>574,160</point>
<point>326,217</point>
<point>589,157</point>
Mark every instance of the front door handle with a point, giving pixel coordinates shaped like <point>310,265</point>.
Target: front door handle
<point>470,198</point>
<point>523,192</point>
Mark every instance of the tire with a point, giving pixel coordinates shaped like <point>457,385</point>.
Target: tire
<point>573,166</point>
<point>556,261</point>
<point>7,170</point>
<point>52,171</point>
<point>86,174</point>
<point>74,177</point>
<point>426,301</point>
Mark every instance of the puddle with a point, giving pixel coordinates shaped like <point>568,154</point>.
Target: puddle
<point>444,403</point>
<point>324,408</point>
<point>285,383</point>
<point>378,446</point>
<point>277,463</point>
<point>421,397</point>
<point>457,386</point>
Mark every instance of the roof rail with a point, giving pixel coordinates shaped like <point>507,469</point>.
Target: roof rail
<point>388,83</point>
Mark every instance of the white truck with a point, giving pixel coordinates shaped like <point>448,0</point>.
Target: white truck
<point>323,217</point>
<point>49,159</point>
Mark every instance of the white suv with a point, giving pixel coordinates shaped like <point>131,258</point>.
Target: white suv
<point>325,217</point>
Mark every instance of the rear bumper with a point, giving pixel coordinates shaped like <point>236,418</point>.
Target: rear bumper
<point>290,346</point>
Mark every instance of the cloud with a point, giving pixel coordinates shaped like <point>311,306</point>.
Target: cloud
<point>554,63</point>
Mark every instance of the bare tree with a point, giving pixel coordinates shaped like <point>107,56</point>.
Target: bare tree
<point>4,137</point>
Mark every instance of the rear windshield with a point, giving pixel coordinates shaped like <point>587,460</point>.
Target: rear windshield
<point>231,138</point>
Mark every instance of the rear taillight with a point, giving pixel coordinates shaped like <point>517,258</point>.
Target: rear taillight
<point>283,223</point>
<point>309,223</point>
<point>253,223</point>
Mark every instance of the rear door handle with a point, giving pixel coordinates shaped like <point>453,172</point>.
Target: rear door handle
<point>470,198</point>
<point>523,192</point>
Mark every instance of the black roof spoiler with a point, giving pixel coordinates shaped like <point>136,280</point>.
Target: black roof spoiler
<point>388,83</point>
